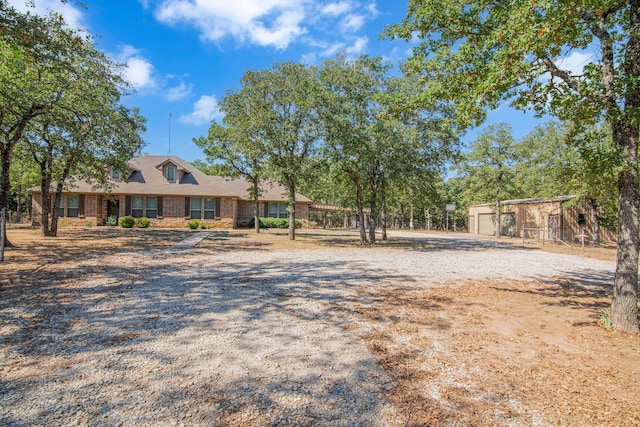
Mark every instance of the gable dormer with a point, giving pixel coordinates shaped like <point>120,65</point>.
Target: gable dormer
<point>172,171</point>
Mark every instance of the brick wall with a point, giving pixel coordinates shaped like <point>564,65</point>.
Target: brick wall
<point>173,207</point>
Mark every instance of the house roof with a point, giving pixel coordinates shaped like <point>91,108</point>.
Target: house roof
<point>271,191</point>
<point>145,177</point>
<point>558,199</point>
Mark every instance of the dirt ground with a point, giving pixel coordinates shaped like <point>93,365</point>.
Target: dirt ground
<point>491,352</point>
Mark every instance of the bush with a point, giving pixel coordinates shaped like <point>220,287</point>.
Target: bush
<point>142,222</point>
<point>127,222</point>
<point>205,226</point>
<point>274,223</point>
<point>193,224</point>
<point>112,221</point>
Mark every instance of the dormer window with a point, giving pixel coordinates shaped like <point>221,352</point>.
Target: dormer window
<point>115,174</point>
<point>170,173</point>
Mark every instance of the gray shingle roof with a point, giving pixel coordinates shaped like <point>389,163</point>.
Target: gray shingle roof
<point>145,177</point>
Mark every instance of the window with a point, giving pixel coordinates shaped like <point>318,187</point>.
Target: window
<point>196,208</point>
<point>69,205</point>
<point>73,205</point>
<point>170,173</point>
<point>278,210</point>
<point>209,208</point>
<point>115,174</point>
<point>152,207</point>
<point>137,206</point>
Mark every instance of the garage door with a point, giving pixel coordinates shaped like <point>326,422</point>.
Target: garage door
<point>485,224</point>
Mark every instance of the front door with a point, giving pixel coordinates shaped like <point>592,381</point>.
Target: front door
<point>113,209</point>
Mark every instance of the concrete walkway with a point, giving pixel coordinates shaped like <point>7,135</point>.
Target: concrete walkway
<point>190,241</point>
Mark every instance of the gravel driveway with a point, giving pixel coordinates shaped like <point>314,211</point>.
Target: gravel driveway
<point>196,337</point>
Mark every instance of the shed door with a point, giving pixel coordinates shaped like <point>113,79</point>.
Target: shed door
<point>472,224</point>
<point>485,224</point>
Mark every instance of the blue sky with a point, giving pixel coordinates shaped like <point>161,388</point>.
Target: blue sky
<point>183,55</point>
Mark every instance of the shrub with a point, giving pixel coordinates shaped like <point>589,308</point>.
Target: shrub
<point>205,226</point>
<point>605,318</point>
<point>193,224</point>
<point>274,223</point>
<point>142,222</point>
<point>127,222</point>
<point>88,224</point>
<point>112,221</point>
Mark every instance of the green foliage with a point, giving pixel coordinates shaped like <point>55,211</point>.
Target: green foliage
<point>60,97</point>
<point>275,223</point>
<point>88,224</point>
<point>112,221</point>
<point>193,224</point>
<point>143,222</point>
<point>127,222</point>
<point>605,318</point>
<point>480,53</point>
<point>489,167</point>
<point>205,226</point>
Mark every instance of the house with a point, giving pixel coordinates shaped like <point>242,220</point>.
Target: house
<point>551,219</point>
<point>169,191</point>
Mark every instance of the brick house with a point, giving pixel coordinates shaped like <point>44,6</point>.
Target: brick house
<point>169,191</point>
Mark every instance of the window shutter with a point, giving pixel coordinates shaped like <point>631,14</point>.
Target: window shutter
<point>159,206</point>
<point>127,205</point>
<point>81,205</point>
<point>187,207</point>
<point>217,214</point>
<point>265,213</point>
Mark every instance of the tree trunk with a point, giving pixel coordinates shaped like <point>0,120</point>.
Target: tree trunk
<point>256,205</point>
<point>361,225</point>
<point>291,188</point>
<point>383,200</point>
<point>624,304</point>
<point>19,204</point>
<point>595,222</point>
<point>411,218</point>
<point>5,184</point>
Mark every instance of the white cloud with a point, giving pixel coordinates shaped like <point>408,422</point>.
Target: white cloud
<point>205,110</point>
<point>336,9</point>
<point>358,47</point>
<point>263,22</point>
<point>575,62</point>
<point>352,23</point>
<point>72,16</point>
<point>138,71</point>
<point>179,92</point>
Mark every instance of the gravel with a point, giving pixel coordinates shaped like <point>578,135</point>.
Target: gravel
<point>191,337</point>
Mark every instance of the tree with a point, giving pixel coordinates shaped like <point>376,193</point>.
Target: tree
<point>270,125</point>
<point>478,53</point>
<point>489,169</point>
<point>239,144</point>
<point>86,129</point>
<point>35,53</point>
<point>283,100</point>
<point>544,159</point>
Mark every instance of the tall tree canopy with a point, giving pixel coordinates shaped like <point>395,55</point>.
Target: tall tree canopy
<point>478,53</point>
<point>59,96</point>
